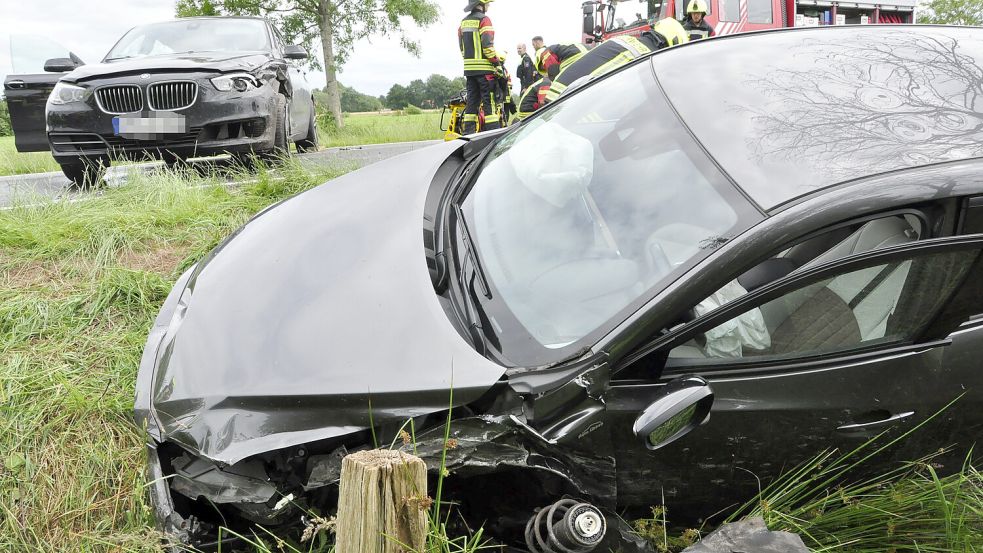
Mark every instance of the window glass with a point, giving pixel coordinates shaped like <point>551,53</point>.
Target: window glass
<point>886,303</point>
<point>29,52</point>
<point>581,211</point>
<point>759,11</point>
<point>730,10</point>
<point>193,35</point>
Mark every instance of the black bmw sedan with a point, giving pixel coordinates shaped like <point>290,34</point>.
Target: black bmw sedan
<point>170,90</point>
<point>786,244</point>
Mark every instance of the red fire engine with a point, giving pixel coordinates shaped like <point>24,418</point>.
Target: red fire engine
<point>734,16</point>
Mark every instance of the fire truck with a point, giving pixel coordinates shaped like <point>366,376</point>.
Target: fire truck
<point>605,19</point>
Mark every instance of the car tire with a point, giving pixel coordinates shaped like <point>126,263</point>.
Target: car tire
<point>85,173</point>
<point>281,147</point>
<point>310,143</point>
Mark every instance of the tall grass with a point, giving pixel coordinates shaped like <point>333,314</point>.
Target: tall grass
<point>13,162</point>
<point>80,284</point>
<point>370,128</point>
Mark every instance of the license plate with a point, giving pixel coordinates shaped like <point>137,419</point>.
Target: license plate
<point>159,124</point>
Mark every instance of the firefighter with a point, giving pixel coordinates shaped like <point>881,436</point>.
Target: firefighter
<point>618,51</point>
<point>695,23</point>
<point>482,68</point>
<point>526,71</point>
<point>533,98</point>
<point>551,61</point>
<point>505,92</point>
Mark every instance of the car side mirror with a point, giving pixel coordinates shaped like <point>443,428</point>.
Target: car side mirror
<point>295,52</point>
<point>683,405</point>
<point>60,65</point>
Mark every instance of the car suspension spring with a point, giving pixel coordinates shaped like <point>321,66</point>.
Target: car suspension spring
<point>567,526</point>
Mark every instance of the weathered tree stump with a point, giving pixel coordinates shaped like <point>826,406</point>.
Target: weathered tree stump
<point>382,503</point>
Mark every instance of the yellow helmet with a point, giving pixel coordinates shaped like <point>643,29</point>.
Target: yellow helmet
<point>696,6</point>
<point>672,31</point>
<point>501,55</point>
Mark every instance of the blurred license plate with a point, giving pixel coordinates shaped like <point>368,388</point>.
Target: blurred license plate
<point>149,128</point>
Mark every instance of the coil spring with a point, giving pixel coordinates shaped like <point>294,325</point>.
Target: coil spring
<point>567,526</point>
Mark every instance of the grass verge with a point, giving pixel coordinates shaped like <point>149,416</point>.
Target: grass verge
<point>80,284</point>
<point>13,162</point>
<point>372,128</point>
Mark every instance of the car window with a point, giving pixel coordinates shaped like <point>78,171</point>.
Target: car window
<point>29,52</point>
<point>585,208</point>
<point>193,35</point>
<point>836,243</point>
<point>882,304</point>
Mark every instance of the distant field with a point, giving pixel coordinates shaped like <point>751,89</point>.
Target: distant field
<point>375,128</point>
<point>360,128</point>
<point>13,162</point>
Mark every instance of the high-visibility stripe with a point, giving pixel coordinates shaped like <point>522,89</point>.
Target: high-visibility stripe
<point>470,117</point>
<point>633,45</point>
<point>488,29</point>
<point>470,24</point>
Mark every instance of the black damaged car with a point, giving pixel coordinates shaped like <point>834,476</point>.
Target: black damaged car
<point>787,249</point>
<point>171,90</point>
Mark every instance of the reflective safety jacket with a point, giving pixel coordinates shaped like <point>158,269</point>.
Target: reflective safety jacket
<point>609,55</point>
<point>562,56</point>
<point>476,36</point>
<point>696,32</point>
<point>533,98</point>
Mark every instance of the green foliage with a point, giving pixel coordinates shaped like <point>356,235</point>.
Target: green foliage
<point>352,101</point>
<point>430,94</point>
<point>349,20</point>
<point>412,110</point>
<point>953,12</point>
<point>5,129</point>
<point>373,128</point>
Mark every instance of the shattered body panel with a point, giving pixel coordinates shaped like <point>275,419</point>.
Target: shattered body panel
<point>326,326</point>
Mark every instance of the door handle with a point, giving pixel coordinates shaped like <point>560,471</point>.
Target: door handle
<point>864,427</point>
<point>16,85</point>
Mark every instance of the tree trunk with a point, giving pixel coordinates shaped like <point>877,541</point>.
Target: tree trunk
<point>382,503</point>
<point>326,10</point>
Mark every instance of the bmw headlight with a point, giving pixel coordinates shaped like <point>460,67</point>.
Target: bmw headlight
<point>239,82</point>
<point>65,93</point>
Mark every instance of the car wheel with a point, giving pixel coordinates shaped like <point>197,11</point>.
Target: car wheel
<point>281,148</point>
<point>85,173</point>
<point>310,143</point>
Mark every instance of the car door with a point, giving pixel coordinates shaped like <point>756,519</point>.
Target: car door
<point>854,346</point>
<point>300,104</point>
<point>26,90</point>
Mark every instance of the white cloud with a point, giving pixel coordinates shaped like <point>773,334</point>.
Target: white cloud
<point>90,27</point>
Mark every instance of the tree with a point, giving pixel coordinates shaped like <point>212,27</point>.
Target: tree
<point>953,12</point>
<point>398,97</point>
<point>338,24</point>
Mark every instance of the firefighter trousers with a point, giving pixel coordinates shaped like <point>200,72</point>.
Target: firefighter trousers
<point>483,95</point>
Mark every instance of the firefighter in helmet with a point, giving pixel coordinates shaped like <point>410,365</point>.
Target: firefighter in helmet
<point>482,67</point>
<point>616,52</point>
<point>550,61</point>
<point>695,23</point>
<point>504,89</point>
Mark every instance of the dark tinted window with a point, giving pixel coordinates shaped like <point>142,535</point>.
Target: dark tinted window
<point>730,10</point>
<point>791,112</point>
<point>759,11</point>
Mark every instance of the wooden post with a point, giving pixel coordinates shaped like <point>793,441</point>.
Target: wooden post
<point>382,503</point>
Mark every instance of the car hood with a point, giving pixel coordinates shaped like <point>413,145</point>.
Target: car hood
<point>315,316</point>
<point>219,62</point>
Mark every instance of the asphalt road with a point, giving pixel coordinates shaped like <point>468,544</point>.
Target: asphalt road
<point>40,186</point>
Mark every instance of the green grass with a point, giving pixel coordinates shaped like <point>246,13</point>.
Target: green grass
<point>13,162</point>
<point>372,128</point>
<point>80,284</point>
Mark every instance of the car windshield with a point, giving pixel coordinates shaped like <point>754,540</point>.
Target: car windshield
<point>192,35</point>
<point>585,211</point>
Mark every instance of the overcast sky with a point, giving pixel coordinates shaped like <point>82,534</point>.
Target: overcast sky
<point>90,27</point>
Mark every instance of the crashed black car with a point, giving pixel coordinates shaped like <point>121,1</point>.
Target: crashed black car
<point>794,237</point>
<point>171,90</point>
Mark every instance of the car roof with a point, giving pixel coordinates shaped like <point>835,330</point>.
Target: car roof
<point>790,113</point>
